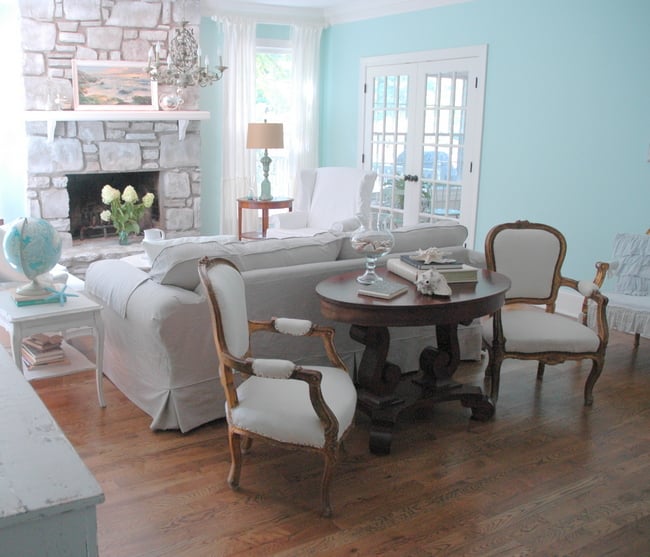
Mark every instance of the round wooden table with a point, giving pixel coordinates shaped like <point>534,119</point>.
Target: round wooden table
<point>265,205</point>
<point>383,391</point>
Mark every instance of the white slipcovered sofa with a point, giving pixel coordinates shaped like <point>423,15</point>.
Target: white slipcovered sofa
<point>159,349</point>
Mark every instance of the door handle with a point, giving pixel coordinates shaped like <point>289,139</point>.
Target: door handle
<point>411,178</point>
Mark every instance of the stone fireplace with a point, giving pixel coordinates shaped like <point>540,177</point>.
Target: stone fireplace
<point>55,33</point>
<point>85,194</point>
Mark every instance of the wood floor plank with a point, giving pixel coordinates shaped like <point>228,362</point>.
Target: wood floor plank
<point>546,476</point>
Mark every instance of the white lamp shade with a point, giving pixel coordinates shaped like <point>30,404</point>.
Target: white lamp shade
<point>265,136</point>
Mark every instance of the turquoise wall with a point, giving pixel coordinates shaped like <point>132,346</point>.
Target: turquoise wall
<point>211,100</point>
<point>567,109</point>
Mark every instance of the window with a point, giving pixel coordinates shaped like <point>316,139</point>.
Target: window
<point>273,79</point>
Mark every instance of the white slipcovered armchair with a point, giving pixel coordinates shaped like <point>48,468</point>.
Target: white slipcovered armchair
<point>327,198</point>
<point>628,310</point>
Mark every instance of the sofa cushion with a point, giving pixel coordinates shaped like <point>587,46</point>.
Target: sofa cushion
<point>153,247</point>
<point>285,252</point>
<point>177,265</point>
<point>440,234</point>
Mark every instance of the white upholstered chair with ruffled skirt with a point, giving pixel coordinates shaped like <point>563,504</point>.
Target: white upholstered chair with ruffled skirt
<point>531,255</point>
<point>305,407</point>
<point>628,309</point>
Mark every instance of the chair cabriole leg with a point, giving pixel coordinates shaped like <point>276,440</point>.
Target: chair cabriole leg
<point>234,440</point>
<point>594,374</point>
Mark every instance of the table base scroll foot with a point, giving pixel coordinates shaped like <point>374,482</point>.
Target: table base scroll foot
<point>481,405</point>
<point>383,412</point>
<point>381,437</point>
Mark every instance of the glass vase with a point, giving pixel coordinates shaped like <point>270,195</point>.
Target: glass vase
<point>123,238</point>
<point>372,239</point>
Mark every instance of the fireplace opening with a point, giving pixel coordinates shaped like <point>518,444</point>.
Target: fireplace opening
<point>85,194</point>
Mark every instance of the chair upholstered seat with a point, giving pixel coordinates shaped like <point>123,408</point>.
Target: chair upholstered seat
<point>533,331</point>
<point>281,410</point>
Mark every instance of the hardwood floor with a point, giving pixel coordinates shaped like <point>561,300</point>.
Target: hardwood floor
<point>545,477</point>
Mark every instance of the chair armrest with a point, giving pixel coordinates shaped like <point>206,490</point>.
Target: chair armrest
<point>272,369</point>
<point>284,369</point>
<point>601,272</point>
<point>301,327</point>
<point>591,293</point>
<point>291,220</point>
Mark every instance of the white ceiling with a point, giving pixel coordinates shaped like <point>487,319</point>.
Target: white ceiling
<point>323,11</point>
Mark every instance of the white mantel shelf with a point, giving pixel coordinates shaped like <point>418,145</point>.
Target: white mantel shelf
<point>51,117</point>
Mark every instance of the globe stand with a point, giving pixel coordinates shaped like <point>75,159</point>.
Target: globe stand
<point>32,288</point>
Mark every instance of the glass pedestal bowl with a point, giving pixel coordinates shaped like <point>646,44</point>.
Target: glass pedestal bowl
<point>372,239</point>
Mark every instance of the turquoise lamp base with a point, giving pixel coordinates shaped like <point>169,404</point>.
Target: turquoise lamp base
<point>265,190</point>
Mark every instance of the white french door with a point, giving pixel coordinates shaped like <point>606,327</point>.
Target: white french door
<point>422,127</point>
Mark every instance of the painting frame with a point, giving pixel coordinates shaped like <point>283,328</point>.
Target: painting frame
<point>112,85</point>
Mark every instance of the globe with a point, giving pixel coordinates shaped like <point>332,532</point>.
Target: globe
<point>32,246</point>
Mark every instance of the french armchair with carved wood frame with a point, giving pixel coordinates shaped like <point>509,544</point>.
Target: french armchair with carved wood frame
<point>299,407</point>
<point>531,255</point>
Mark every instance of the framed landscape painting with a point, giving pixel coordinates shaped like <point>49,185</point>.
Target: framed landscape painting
<point>107,85</point>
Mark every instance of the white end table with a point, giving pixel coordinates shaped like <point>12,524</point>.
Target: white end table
<point>77,313</point>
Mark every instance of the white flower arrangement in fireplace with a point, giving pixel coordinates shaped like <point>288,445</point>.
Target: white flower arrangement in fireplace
<point>125,211</point>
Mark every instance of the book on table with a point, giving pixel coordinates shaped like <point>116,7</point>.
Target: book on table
<point>466,273</point>
<point>32,300</point>
<point>42,349</point>
<point>437,265</point>
<point>385,289</point>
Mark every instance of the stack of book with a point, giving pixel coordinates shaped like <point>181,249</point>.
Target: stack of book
<point>30,300</point>
<point>452,271</point>
<point>42,349</point>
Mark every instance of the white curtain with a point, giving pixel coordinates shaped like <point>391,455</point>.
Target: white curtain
<point>239,98</point>
<point>301,141</point>
<point>303,138</point>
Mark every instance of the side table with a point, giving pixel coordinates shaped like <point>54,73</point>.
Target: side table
<point>265,206</point>
<point>77,313</point>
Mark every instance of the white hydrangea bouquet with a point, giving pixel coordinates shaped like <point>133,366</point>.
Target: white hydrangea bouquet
<point>126,209</point>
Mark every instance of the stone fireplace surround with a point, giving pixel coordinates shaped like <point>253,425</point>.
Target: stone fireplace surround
<point>53,34</point>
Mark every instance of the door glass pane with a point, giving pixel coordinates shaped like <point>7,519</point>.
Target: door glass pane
<point>443,140</point>
<point>390,130</point>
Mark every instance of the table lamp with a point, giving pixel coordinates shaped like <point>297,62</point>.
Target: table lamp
<point>265,136</point>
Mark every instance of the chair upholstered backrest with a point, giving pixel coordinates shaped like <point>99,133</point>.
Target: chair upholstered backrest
<point>531,255</point>
<point>631,264</point>
<point>227,285</point>
<point>331,194</point>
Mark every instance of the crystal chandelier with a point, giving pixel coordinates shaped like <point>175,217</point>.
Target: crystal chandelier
<point>183,65</point>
